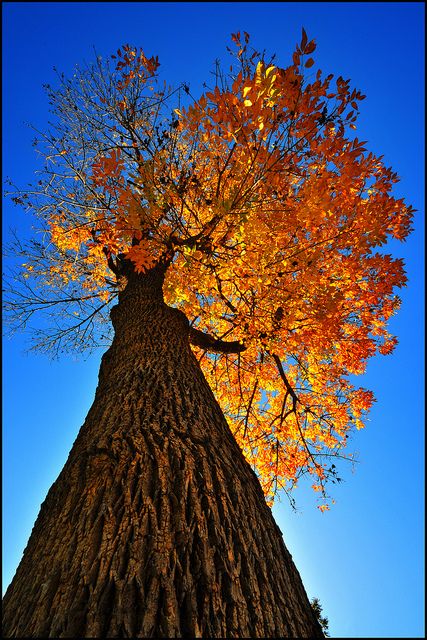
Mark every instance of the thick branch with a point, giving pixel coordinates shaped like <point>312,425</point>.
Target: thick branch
<point>208,342</point>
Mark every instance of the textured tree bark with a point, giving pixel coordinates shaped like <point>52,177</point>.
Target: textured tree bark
<point>156,526</point>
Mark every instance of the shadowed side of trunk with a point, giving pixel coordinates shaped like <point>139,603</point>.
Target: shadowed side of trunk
<point>156,526</point>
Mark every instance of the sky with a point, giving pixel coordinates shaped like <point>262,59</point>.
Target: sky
<point>364,559</point>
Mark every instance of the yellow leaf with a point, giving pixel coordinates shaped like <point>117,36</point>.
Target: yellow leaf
<point>259,69</point>
<point>247,103</point>
<point>246,91</point>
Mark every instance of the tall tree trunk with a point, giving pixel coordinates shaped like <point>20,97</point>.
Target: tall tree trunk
<point>156,526</point>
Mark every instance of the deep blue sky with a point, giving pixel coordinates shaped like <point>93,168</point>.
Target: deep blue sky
<point>364,559</point>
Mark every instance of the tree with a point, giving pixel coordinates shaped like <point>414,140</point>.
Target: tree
<point>242,223</point>
<point>317,608</point>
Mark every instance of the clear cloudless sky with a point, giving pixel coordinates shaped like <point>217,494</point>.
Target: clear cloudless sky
<point>364,559</point>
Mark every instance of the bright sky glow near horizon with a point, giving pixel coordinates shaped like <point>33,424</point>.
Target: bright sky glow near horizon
<point>364,559</point>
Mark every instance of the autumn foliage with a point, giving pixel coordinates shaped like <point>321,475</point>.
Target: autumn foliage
<point>268,212</point>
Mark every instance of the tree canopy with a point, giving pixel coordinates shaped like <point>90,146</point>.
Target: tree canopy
<point>266,210</point>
